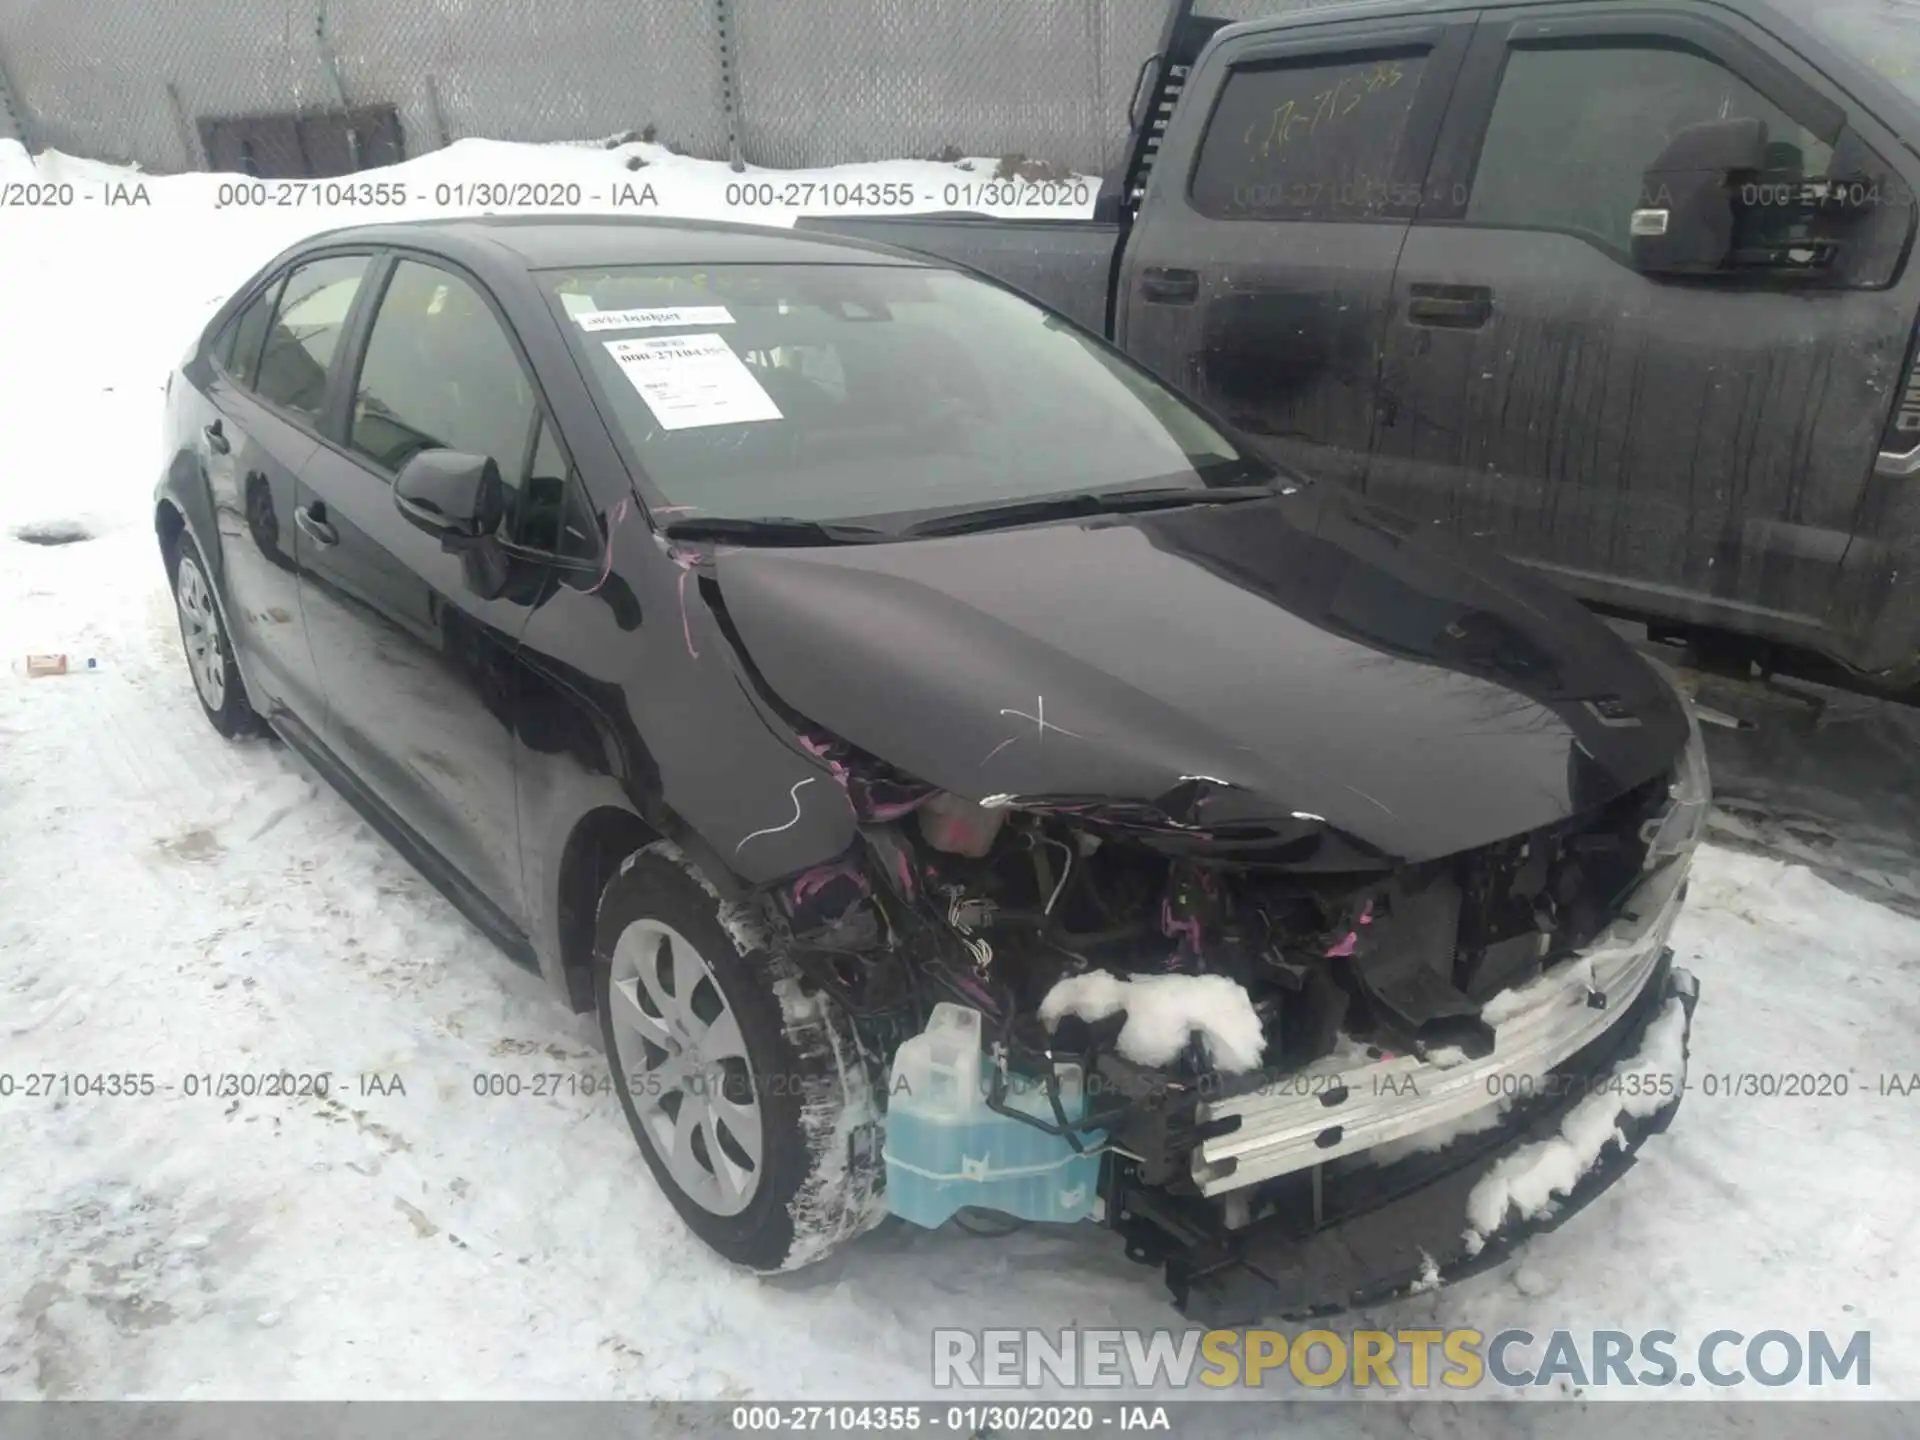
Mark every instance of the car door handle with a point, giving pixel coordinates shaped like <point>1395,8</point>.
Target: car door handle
<point>217,439</point>
<point>1162,286</point>
<point>1453,307</point>
<point>315,527</point>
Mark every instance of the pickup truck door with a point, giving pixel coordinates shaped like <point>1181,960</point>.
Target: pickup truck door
<point>1259,271</point>
<point>1694,447</point>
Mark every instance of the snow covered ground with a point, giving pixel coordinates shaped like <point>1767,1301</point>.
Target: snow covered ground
<point>174,905</point>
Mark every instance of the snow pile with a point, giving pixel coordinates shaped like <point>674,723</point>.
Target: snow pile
<point>1527,1181</point>
<point>1163,1012</point>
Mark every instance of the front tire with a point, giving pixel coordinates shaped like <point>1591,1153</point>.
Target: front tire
<point>203,634</point>
<point>748,1098</point>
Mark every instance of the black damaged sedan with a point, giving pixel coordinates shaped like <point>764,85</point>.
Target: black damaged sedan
<point>803,653</point>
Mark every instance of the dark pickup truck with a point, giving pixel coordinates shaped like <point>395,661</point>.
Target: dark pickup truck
<point>1623,289</point>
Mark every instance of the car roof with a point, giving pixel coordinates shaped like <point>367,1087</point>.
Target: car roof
<point>552,242</point>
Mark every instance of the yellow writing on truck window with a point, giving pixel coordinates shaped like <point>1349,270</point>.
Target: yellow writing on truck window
<point>1298,120</point>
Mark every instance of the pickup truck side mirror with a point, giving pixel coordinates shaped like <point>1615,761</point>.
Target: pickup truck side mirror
<point>458,497</point>
<point>1685,225</point>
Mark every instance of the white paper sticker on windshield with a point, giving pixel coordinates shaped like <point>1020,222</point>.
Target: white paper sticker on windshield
<point>653,319</point>
<point>692,380</point>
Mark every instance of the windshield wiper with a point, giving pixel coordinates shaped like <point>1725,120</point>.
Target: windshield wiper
<point>1087,502</point>
<point>771,530</point>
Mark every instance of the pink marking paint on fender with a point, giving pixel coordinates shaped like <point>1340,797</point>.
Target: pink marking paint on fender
<point>686,561</point>
<point>613,523</point>
<point>818,749</point>
<point>820,876</point>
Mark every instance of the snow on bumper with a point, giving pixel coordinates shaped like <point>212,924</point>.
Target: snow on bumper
<point>1527,1183</point>
<point>1392,1229</point>
<point>1337,1107</point>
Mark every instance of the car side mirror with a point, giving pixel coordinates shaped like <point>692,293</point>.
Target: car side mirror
<point>458,497</point>
<point>1685,225</point>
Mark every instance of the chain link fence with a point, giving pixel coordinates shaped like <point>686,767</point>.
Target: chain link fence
<point>292,87</point>
<point>9,121</point>
<point>1047,79</point>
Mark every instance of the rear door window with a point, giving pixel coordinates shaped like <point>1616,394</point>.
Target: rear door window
<point>1315,138</point>
<point>307,325</point>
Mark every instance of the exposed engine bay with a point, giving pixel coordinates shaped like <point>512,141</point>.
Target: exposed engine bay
<point>1000,905</point>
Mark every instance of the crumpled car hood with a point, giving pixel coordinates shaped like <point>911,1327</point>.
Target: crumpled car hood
<point>1303,660</point>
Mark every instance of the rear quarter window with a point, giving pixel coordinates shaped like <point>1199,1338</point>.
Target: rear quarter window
<point>237,351</point>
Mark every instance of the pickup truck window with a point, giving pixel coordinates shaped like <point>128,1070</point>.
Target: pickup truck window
<point>1314,139</point>
<point>1884,37</point>
<point>1574,129</point>
<point>836,392</point>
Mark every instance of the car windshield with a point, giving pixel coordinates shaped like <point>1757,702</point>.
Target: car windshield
<point>857,392</point>
<point>1884,35</point>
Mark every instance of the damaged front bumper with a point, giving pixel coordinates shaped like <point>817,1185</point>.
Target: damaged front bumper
<point>1367,1175</point>
<point>1344,1105</point>
<point>1339,1237</point>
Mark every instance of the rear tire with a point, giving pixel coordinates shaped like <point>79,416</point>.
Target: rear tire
<point>748,1098</point>
<point>203,635</point>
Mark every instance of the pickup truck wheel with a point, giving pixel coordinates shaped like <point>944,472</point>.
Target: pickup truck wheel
<point>748,1098</point>
<point>216,678</point>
